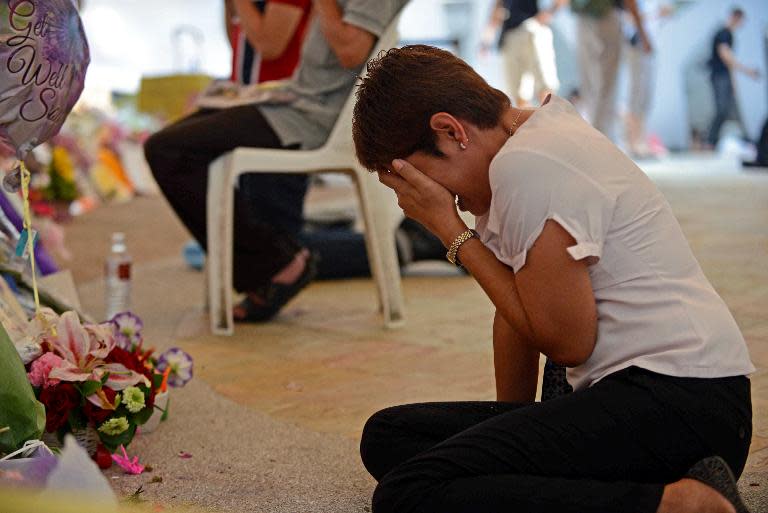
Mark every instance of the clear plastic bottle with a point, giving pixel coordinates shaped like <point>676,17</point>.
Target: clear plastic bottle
<point>118,277</point>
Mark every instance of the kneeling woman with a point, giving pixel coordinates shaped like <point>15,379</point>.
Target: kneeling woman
<point>586,264</point>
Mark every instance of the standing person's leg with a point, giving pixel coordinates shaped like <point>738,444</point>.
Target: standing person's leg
<point>722,89</point>
<point>609,30</point>
<point>179,157</point>
<point>544,65</point>
<point>612,447</point>
<point>588,51</point>
<point>513,63</point>
<point>641,67</point>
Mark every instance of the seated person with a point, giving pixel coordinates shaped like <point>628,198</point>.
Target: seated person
<point>585,263</point>
<point>266,37</point>
<point>270,265</point>
<point>265,46</point>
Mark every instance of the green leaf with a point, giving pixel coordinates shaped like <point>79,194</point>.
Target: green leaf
<point>19,410</point>
<point>90,387</point>
<point>157,380</point>
<point>77,420</point>
<point>112,442</point>
<point>105,378</point>
<point>165,412</point>
<point>143,415</point>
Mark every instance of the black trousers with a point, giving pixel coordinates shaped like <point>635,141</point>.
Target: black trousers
<point>608,449</point>
<point>268,207</point>
<point>725,103</point>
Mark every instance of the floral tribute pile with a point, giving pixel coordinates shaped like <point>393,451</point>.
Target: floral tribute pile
<point>100,376</point>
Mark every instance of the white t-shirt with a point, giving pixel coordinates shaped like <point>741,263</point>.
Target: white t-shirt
<point>656,309</point>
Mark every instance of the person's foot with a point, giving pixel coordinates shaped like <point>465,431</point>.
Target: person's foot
<point>264,305</point>
<point>715,473</point>
<point>708,487</point>
<point>692,496</point>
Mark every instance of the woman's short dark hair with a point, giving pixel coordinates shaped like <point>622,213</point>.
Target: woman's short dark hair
<point>403,88</point>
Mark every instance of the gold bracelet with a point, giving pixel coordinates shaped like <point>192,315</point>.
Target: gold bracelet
<point>453,250</point>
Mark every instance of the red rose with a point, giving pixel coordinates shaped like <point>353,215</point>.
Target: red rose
<point>102,457</point>
<point>96,414</point>
<point>59,400</point>
<point>132,361</point>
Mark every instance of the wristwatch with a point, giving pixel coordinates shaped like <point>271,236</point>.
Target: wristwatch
<point>453,250</point>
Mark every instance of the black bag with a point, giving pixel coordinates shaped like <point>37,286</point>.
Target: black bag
<point>762,146</point>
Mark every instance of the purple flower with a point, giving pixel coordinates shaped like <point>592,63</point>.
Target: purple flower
<point>180,364</point>
<point>127,329</point>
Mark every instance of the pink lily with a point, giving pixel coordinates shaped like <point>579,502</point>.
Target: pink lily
<point>131,466</point>
<point>83,349</point>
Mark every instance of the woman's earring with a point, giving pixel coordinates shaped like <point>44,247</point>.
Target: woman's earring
<point>462,145</point>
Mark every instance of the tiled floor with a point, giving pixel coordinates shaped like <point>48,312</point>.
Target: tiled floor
<point>327,364</point>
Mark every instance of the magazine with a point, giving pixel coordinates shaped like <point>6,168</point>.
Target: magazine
<point>223,94</point>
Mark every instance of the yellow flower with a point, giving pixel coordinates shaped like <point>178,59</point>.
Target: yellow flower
<point>61,163</point>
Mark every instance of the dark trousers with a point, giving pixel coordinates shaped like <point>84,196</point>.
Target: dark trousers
<point>762,146</point>
<point>725,103</point>
<point>609,448</point>
<point>268,207</point>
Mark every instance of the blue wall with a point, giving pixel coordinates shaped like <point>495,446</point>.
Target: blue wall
<point>683,43</point>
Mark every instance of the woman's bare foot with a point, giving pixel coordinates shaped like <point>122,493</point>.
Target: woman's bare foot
<point>692,496</point>
<point>287,275</point>
<point>291,272</point>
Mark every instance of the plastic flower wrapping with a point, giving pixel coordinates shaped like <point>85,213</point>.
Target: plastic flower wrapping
<point>98,376</point>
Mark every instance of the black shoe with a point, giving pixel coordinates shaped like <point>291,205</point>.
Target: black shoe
<point>277,295</point>
<point>754,164</point>
<point>715,473</point>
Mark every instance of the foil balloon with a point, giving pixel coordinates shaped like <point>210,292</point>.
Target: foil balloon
<point>43,59</point>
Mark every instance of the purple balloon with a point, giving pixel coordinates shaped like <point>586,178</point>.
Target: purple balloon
<point>43,58</point>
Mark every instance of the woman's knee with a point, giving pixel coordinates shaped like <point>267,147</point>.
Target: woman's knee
<point>160,149</point>
<point>376,440</point>
<point>153,150</point>
<point>384,498</point>
<point>408,489</point>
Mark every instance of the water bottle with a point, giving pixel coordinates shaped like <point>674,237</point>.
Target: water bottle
<point>118,277</point>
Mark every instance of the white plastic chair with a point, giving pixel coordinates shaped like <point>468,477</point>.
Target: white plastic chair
<point>377,204</point>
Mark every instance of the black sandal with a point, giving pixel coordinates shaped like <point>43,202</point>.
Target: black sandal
<point>715,473</point>
<point>276,296</point>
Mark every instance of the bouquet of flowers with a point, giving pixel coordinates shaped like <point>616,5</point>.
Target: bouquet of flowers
<point>61,171</point>
<point>99,378</point>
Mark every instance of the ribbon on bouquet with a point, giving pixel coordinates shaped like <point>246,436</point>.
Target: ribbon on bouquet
<point>28,237</point>
<point>28,448</point>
